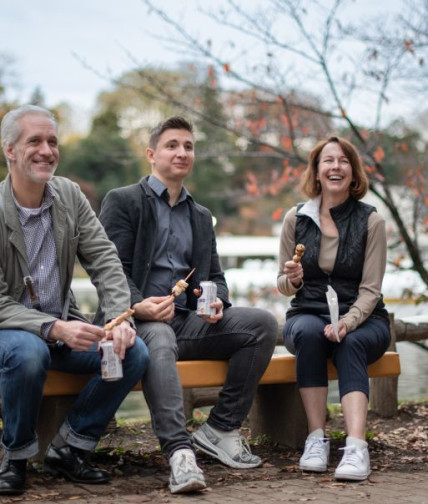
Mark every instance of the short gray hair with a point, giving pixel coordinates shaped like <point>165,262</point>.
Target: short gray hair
<point>10,127</point>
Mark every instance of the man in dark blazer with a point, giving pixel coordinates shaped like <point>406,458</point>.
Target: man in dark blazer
<point>161,234</point>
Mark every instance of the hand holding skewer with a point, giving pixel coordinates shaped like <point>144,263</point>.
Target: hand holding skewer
<point>118,320</point>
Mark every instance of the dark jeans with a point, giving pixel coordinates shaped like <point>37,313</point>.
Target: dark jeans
<point>245,337</point>
<point>24,361</point>
<point>304,337</point>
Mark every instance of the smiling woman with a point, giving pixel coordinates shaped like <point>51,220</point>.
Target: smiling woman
<point>346,251</point>
<point>334,172</point>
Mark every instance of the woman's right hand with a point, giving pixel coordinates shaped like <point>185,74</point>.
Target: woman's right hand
<point>294,272</point>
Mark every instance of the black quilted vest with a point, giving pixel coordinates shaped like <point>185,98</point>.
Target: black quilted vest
<point>351,219</point>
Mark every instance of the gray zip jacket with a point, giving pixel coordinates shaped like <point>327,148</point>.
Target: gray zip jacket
<point>78,233</point>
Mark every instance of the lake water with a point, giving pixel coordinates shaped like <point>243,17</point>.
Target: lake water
<point>412,383</point>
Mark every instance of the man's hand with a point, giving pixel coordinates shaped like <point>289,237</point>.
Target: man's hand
<point>123,337</point>
<point>76,334</point>
<point>294,272</point>
<point>329,331</point>
<point>155,309</point>
<point>218,305</point>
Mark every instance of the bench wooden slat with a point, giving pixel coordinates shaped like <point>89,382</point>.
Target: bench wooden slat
<point>196,374</point>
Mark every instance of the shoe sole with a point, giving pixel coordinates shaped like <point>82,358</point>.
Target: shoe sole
<point>69,477</point>
<point>202,443</point>
<point>352,477</point>
<point>194,485</point>
<point>312,469</point>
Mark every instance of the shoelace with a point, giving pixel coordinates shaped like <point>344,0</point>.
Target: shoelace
<point>187,464</point>
<point>352,456</point>
<point>243,450</point>
<point>316,447</point>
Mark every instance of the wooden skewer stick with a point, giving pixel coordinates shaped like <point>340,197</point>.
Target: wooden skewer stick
<point>118,320</point>
<point>299,251</point>
<point>190,274</point>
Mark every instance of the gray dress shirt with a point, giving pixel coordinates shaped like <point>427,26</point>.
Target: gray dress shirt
<point>174,242</point>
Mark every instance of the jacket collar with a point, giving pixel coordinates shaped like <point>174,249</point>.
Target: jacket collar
<point>312,210</point>
<point>340,212</point>
<point>151,193</point>
<point>11,217</point>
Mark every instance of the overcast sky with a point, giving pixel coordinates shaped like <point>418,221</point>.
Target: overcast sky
<point>46,38</point>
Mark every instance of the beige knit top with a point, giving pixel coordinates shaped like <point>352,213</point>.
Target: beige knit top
<point>373,270</point>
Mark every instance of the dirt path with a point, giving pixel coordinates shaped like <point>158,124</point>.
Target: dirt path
<point>140,473</point>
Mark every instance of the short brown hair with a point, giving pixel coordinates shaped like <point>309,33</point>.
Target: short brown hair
<point>175,122</point>
<point>309,184</point>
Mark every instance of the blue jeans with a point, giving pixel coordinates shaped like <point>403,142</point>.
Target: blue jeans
<point>24,361</point>
<point>245,337</point>
<point>304,337</point>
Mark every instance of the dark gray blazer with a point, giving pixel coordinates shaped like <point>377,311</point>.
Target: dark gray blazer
<point>128,215</point>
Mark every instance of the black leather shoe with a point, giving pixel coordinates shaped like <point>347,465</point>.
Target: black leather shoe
<point>12,477</point>
<point>71,463</point>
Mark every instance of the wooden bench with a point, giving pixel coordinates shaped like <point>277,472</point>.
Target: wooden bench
<point>277,411</point>
<point>195,374</point>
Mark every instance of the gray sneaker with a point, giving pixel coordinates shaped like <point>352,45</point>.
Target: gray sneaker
<point>230,448</point>
<point>185,476</point>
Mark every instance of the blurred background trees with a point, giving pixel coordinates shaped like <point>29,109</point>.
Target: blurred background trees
<point>306,70</point>
<point>7,79</point>
<point>102,160</point>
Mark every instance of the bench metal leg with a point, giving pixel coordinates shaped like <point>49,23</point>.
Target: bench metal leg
<point>277,412</point>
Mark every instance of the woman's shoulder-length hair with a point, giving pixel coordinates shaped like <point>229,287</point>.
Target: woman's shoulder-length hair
<point>360,183</point>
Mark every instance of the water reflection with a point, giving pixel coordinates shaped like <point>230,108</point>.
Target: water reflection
<point>412,383</point>
<point>413,380</point>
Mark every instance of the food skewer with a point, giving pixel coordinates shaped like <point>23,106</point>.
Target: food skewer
<point>299,251</point>
<point>118,320</point>
<point>181,285</point>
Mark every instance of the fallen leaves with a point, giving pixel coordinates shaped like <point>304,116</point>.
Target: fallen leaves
<point>399,445</point>
<point>290,468</point>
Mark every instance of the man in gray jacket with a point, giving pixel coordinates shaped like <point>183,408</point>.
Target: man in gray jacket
<point>161,233</point>
<point>45,222</point>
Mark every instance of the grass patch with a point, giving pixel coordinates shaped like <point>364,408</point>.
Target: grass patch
<point>336,434</point>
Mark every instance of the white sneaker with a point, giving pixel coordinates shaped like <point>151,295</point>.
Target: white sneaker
<point>355,464</point>
<point>230,448</point>
<point>316,454</point>
<point>185,476</point>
